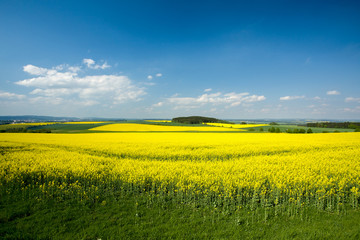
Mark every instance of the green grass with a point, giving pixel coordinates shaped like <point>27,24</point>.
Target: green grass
<point>131,217</point>
<point>71,128</point>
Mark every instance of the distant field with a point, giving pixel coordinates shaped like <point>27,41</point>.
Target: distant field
<point>23,125</point>
<point>237,126</point>
<point>283,128</point>
<point>133,127</point>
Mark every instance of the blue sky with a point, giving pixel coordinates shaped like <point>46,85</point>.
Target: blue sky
<point>163,59</point>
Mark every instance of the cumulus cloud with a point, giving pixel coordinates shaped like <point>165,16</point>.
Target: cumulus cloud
<point>352,99</point>
<point>88,90</point>
<point>11,96</point>
<point>91,64</point>
<point>159,75</point>
<point>229,99</point>
<point>33,70</point>
<point>333,92</point>
<point>149,77</point>
<point>287,98</point>
<point>208,90</point>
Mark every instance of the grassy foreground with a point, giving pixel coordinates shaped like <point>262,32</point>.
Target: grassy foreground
<point>130,217</point>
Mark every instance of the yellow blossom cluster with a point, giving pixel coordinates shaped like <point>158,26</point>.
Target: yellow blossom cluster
<point>249,169</point>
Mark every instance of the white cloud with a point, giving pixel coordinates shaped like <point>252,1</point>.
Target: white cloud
<point>159,75</point>
<point>86,90</point>
<point>33,70</point>
<point>352,110</point>
<point>287,98</point>
<point>159,104</point>
<point>91,64</point>
<point>208,90</point>
<point>333,92</point>
<point>352,99</point>
<point>230,99</point>
<point>7,95</point>
<point>317,98</point>
<point>149,77</point>
<point>74,69</point>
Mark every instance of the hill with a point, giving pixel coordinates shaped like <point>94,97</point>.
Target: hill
<point>197,120</point>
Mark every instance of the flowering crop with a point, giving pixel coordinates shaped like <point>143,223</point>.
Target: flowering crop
<point>82,122</point>
<point>133,127</point>
<point>159,121</point>
<point>228,125</point>
<point>225,169</point>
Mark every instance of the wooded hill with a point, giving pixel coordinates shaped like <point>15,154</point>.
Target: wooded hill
<point>197,120</point>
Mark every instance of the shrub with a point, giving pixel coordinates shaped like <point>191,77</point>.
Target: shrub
<point>302,131</point>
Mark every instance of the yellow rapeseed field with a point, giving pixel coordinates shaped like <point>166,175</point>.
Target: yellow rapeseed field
<point>82,122</point>
<point>228,125</point>
<point>134,127</point>
<point>160,121</point>
<point>246,170</point>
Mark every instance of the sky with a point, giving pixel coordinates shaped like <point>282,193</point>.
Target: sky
<point>165,59</point>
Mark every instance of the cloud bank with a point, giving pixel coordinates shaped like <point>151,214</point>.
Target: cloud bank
<point>64,83</point>
<point>231,99</point>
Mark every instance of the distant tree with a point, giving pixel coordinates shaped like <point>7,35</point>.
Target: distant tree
<point>353,126</point>
<point>272,130</point>
<point>261,129</point>
<point>273,123</point>
<point>302,130</point>
<point>252,129</point>
<point>289,130</point>
<point>277,130</point>
<point>296,130</point>
<point>243,122</point>
<point>309,130</point>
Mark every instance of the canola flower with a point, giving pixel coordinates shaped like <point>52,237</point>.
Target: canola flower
<point>237,126</point>
<point>96,122</point>
<point>134,127</point>
<point>222,169</point>
<point>160,121</point>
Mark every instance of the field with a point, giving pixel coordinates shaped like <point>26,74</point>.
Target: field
<point>133,127</point>
<point>150,183</point>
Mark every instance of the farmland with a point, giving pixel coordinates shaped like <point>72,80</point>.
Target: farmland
<point>181,183</point>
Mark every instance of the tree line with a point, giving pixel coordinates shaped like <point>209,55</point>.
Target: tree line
<point>352,125</point>
<point>197,120</point>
